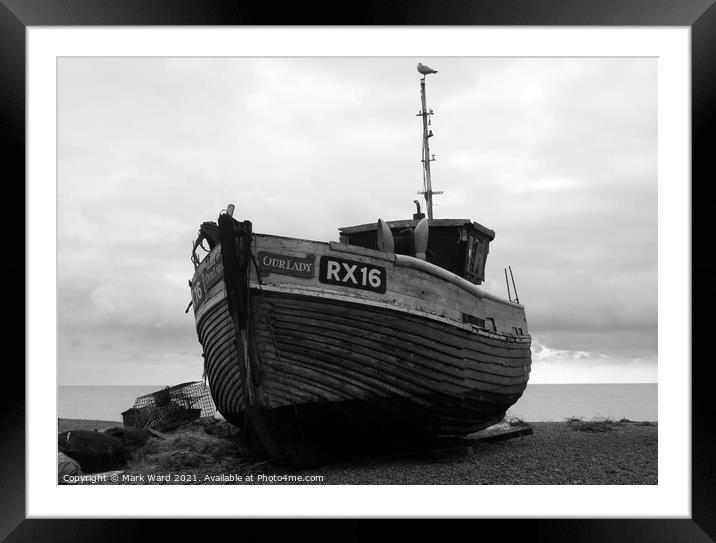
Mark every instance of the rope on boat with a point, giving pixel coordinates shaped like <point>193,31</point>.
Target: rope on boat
<point>208,231</point>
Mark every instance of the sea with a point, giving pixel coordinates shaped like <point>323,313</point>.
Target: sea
<point>540,402</point>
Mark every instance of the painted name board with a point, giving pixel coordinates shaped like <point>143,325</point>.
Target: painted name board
<point>350,273</point>
<point>213,273</point>
<point>204,280</point>
<point>286,264</point>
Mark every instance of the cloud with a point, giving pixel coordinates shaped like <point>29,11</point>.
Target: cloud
<point>551,365</point>
<point>558,156</point>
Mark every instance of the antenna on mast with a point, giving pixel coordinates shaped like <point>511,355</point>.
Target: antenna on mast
<point>427,158</point>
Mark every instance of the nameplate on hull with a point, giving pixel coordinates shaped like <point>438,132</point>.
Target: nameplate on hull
<point>213,273</point>
<point>353,274</point>
<point>286,264</point>
<point>204,279</point>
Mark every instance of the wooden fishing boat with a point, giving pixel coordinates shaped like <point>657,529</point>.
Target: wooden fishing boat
<point>384,332</point>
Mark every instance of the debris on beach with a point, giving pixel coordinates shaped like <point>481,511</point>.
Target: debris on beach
<point>171,406</point>
<point>94,451</point>
<point>506,429</point>
<point>131,438</point>
<point>204,442</point>
<point>67,467</point>
<point>597,424</point>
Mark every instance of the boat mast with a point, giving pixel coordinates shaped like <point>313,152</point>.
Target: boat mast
<point>425,113</point>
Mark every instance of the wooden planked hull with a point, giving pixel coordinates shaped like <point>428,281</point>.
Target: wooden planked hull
<point>315,362</point>
<point>441,379</point>
<point>218,337</point>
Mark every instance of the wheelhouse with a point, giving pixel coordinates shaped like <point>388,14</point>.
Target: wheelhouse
<point>457,245</point>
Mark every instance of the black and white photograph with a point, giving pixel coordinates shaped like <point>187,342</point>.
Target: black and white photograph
<point>399,262</point>
<point>432,270</point>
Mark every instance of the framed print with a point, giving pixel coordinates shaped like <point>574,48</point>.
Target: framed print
<point>566,130</point>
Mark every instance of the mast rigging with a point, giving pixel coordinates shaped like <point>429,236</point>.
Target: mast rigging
<point>427,158</point>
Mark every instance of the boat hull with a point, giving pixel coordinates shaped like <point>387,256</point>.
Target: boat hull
<point>311,361</point>
<point>321,367</point>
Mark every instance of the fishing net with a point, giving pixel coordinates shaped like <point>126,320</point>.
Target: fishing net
<point>177,404</point>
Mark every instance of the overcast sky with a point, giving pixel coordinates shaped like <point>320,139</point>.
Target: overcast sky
<point>558,156</point>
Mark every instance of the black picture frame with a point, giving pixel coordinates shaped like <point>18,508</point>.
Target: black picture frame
<point>17,15</point>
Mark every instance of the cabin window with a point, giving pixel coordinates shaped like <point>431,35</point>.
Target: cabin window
<point>491,324</point>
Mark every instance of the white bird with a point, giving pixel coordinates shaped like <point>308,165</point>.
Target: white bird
<point>425,70</point>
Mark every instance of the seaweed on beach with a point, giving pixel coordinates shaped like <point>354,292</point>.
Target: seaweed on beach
<point>597,424</point>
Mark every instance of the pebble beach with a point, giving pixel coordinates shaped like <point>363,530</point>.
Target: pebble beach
<point>573,452</point>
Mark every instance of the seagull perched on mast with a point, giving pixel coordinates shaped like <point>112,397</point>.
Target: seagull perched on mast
<point>425,70</point>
